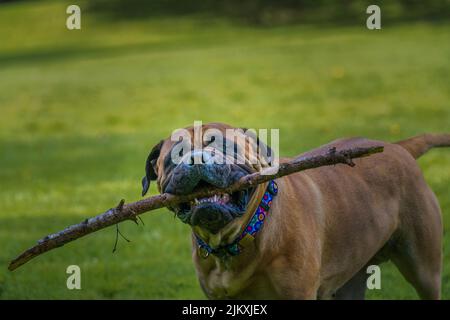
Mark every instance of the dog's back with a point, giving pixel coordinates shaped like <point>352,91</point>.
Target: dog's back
<point>380,209</point>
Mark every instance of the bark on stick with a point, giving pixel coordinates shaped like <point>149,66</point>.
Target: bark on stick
<point>130,211</point>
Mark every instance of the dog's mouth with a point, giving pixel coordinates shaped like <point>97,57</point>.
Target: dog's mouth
<point>213,213</point>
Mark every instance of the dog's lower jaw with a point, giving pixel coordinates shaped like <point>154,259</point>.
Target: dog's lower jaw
<point>234,228</point>
<point>224,236</point>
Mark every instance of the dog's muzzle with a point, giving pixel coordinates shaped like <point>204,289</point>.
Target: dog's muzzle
<point>211,213</point>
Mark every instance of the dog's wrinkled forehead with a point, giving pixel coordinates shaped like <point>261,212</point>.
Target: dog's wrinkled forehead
<point>232,145</point>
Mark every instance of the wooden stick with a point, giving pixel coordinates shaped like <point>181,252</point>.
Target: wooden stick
<point>130,211</point>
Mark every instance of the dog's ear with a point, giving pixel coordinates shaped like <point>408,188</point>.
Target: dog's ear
<point>150,173</point>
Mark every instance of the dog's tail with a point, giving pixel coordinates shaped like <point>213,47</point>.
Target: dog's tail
<point>420,144</point>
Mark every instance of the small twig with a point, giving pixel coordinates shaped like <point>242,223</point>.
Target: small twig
<point>120,233</point>
<point>120,205</point>
<point>142,221</point>
<point>117,238</point>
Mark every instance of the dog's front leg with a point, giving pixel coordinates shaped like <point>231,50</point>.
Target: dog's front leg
<point>292,282</point>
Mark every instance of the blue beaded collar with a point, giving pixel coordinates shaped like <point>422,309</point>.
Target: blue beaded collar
<point>251,229</point>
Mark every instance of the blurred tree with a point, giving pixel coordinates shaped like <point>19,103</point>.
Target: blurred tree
<point>267,12</point>
<point>278,11</point>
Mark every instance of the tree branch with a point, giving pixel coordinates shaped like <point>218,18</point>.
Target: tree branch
<point>130,211</point>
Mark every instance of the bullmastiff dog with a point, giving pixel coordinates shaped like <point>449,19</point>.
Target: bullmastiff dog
<point>312,234</point>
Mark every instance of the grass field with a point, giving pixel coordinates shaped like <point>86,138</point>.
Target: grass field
<point>81,109</point>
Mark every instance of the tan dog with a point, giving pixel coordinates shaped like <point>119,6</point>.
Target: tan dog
<point>325,226</point>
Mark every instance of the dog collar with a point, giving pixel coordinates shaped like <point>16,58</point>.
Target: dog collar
<point>250,230</point>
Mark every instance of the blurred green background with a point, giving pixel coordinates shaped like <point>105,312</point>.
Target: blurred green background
<point>80,110</point>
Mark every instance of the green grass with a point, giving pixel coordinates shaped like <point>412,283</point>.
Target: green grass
<point>81,109</point>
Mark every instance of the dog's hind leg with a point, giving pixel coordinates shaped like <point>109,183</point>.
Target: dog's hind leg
<point>355,288</point>
<point>420,268</point>
<point>423,276</point>
<point>418,249</point>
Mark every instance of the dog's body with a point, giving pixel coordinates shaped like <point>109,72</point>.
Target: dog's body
<point>328,224</point>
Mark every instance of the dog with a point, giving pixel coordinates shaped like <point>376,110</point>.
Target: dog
<point>322,228</point>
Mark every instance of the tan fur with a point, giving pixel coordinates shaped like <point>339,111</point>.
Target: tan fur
<point>328,224</point>
<point>419,145</point>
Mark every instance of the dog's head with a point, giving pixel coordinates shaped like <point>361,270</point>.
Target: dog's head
<point>189,160</point>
